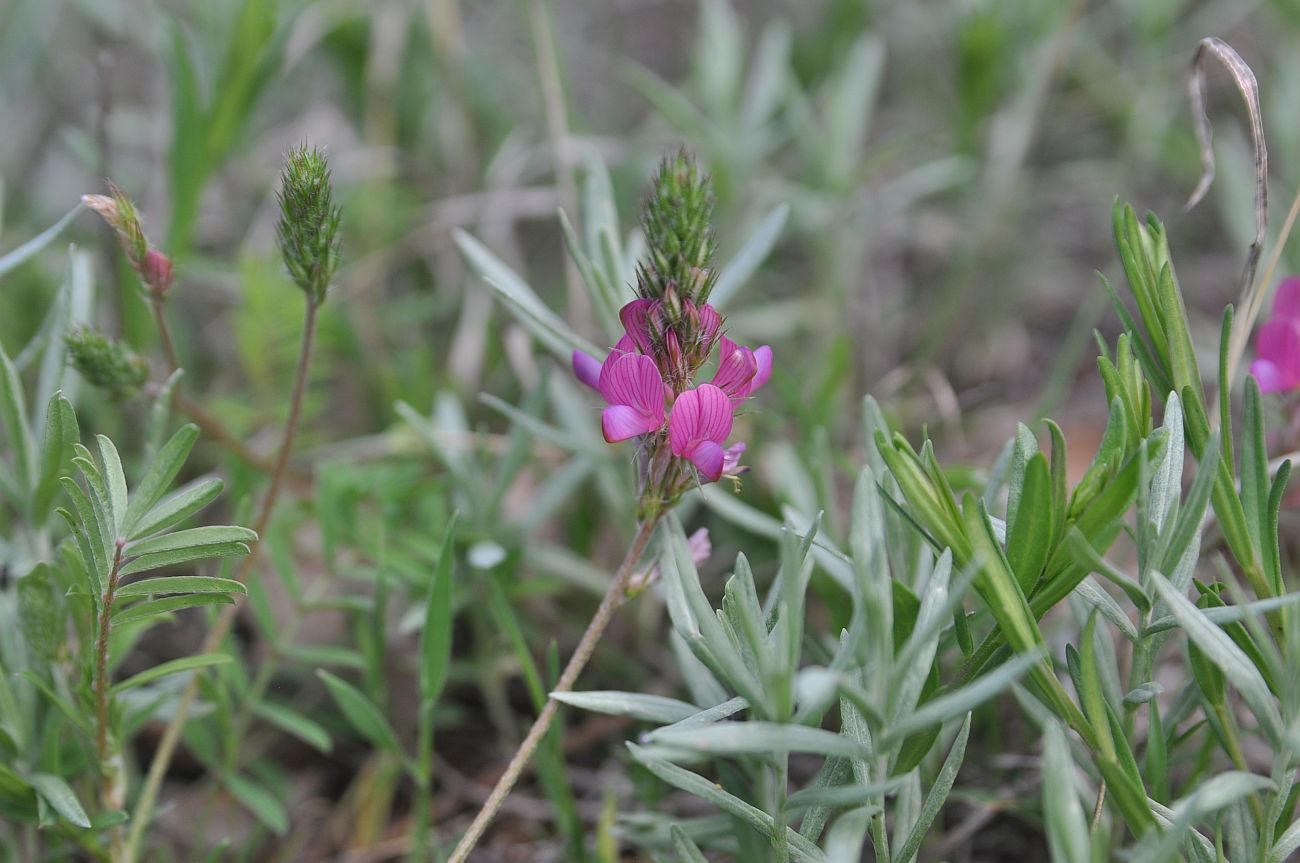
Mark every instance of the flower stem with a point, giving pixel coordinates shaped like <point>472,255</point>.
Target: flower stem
<point>614,597</point>
<point>110,794</point>
<point>171,735</point>
<point>210,425</point>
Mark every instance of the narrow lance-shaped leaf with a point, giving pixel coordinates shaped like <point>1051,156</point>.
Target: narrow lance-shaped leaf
<point>177,506</point>
<point>361,712</point>
<point>435,639</point>
<point>158,478</point>
<point>114,482</point>
<point>937,796</point>
<point>13,418</point>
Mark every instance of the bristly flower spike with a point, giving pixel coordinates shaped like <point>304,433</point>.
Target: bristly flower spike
<point>308,229</point>
<point>678,225</point>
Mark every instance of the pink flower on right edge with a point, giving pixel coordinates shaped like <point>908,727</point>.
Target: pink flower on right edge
<point>1277,346</point>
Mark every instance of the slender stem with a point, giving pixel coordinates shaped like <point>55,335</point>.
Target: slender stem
<point>110,793</point>
<point>210,425</point>
<point>171,735</point>
<point>614,597</point>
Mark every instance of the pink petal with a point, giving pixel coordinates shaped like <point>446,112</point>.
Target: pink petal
<point>1278,342</point>
<point>586,368</point>
<point>731,459</point>
<point>636,320</point>
<point>700,545</point>
<point>620,422</point>
<point>710,323</point>
<point>1268,375</point>
<point>701,414</point>
<point>763,356</point>
<point>1286,304</point>
<point>633,380</point>
<point>708,457</point>
<point>736,368</point>
<point>625,345</point>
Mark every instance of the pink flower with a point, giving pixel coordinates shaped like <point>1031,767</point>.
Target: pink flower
<point>634,391</point>
<point>740,370</point>
<point>699,423</point>
<point>1277,346</point>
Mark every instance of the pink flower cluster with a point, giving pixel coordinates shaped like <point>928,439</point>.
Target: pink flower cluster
<point>1277,346</point>
<point>648,380</point>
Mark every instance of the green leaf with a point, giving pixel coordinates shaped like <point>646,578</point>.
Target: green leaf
<point>158,478</point>
<point>687,851</point>
<point>435,638</point>
<point>361,713</point>
<point>1029,535</point>
<point>13,419</point>
<point>177,506</point>
<point>75,716</point>
<point>61,798</point>
<point>61,433</point>
<point>114,481</point>
<point>180,584</point>
<point>937,795</point>
<point>292,722</point>
<point>149,562</point>
<point>192,538</point>
<point>156,607</point>
<point>646,708</point>
<point>260,803</point>
<point>166,669</point>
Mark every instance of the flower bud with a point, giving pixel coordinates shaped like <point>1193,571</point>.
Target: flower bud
<point>307,231</point>
<point>106,363</point>
<point>156,271</point>
<point>121,216</point>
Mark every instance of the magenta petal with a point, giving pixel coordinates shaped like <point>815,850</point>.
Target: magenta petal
<point>708,457</point>
<point>1278,342</point>
<point>736,368</point>
<point>1286,303</point>
<point>636,320</point>
<point>620,422</point>
<point>633,380</point>
<point>701,414</point>
<point>710,323</point>
<point>1268,376</point>
<point>762,356</point>
<point>625,345</point>
<point>586,368</point>
<point>731,458</point>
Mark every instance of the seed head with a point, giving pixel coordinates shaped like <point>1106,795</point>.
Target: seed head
<point>106,363</point>
<point>308,229</point>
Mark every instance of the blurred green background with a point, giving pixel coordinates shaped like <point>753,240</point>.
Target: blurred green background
<point>949,168</point>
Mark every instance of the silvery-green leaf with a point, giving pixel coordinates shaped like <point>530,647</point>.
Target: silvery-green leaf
<point>547,326</point>
<point>711,792</point>
<point>17,256</point>
<point>962,700</point>
<point>1223,652</point>
<point>647,708</point>
<point>62,799</point>
<point>1067,831</point>
<point>757,738</point>
<point>937,795</point>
